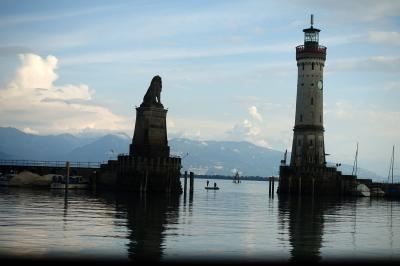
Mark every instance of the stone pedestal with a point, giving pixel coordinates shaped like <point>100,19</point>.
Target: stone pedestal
<point>150,136</point>
<point>149,167</point>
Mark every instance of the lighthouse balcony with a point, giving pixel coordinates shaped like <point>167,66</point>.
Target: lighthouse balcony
<point>317,51</point>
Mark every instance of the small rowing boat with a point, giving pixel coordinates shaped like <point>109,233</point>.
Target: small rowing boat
<point>212,188</point>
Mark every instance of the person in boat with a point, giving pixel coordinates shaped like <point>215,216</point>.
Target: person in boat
<point>208,182</point>
<point>215,185</point>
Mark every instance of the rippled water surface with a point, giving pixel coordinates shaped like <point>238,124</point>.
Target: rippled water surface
<point>239,221</point>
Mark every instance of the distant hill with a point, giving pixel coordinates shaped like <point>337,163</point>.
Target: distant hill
<point>102,149</point>
<point>225,157</point>
<point>201,157</point>
<point>35,147</point>
<point>6,156</point>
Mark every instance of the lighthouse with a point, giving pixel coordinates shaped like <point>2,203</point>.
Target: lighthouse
<point>308,172</point>
<point>308,137</point>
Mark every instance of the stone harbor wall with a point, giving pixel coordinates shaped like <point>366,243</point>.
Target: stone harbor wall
<point>135,173</point>
<point>314,180</point>
<point>149,174</point>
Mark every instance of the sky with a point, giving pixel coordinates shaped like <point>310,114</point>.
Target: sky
<point>228,70</point>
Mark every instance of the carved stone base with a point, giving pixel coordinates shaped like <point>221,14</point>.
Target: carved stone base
<point>144,174</point>
<point>150,136</point>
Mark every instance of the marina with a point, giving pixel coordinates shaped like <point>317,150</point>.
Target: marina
<point>88,179</point>
<point>239,96</point>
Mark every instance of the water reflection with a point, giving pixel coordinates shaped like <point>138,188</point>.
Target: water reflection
<point>236,223</point>
<point>305,219</point>
<point>147,219</point>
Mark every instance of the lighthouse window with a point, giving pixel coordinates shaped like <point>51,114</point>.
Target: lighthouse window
<point>310,142</point>
<point>301,118</point>
<point>312,66</point>
<point>312,84</point>
<point>320,67</point>
<point>302,84</point>
<point>312,101</point>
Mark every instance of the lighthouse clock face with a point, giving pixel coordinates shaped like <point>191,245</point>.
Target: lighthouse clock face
<point>319,84</point>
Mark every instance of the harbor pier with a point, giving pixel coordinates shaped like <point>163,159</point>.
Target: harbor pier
<point>86,169</point>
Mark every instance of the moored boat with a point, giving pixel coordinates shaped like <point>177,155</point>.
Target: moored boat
<point>377,192</point>
<point>363,191</point>
<point>5,179</point>
<point>74,182</point>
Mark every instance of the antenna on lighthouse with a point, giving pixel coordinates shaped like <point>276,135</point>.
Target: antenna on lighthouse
<point>312,20</point>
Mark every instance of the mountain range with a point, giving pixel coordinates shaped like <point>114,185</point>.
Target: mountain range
<point>200,157</point>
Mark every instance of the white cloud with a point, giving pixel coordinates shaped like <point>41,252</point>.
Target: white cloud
<point>392,86</point>
<point>384,37</point>
<point>173,53</point>
<point>351,11</point>
<point>200,129</point>
<point>35,72</point>
<point>373,63</point>
<point>250,129</point>
<point>31,100</point>
<point>10,20</point>
<point>29,130</point>
<point>271,128</point>
<point>254,113</point>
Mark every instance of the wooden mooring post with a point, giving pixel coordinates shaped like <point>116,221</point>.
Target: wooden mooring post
<point>94,180</point>
<point>185,183</point>
<point>273,186</point>
<point>270,185</point>
<point>191,176</point>
<point>67,164</point>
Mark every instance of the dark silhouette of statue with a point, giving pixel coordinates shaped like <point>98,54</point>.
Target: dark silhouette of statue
<point>153,94</point>
<point>149,166</point>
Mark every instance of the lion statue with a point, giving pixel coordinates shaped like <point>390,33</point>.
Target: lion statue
<point>153,94</point>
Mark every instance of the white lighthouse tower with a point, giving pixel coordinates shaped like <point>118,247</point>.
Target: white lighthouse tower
<point>308,138</point>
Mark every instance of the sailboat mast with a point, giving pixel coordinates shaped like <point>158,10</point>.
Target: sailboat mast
<point>392,162</point>
<point>391,166</point>
<point>355,166</point>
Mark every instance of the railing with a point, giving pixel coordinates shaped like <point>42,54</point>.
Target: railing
<point>49,163</point>
<point>171,155</point>
<point>302,49</point>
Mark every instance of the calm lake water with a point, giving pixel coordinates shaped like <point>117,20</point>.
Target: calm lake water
<point>237,222</point>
